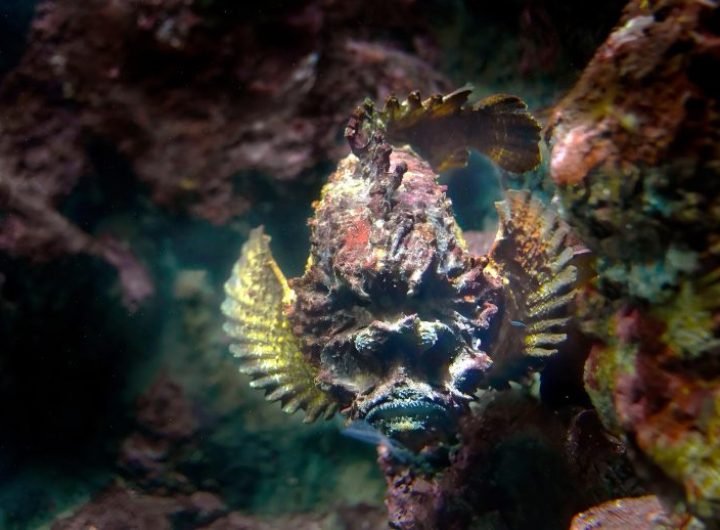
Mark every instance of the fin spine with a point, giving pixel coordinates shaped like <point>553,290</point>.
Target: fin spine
<point>533,255</point>
<point>266,350</point>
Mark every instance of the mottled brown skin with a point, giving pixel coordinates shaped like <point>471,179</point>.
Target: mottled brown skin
<point>394,322</point>
<point>388,266</point>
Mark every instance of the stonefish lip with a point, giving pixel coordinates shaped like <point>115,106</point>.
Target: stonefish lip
<point>414,420</point>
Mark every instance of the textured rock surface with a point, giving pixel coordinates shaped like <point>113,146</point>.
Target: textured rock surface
<point>636,148</point>
<point>641,513</point>
<point>517,460</point>
<point>120,508</point>
<point>156,93</point>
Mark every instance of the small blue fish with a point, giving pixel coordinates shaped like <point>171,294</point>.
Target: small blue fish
<point>362,431</point>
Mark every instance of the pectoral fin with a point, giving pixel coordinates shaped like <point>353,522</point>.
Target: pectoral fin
<point>257,294</point>
<point>532,255</point>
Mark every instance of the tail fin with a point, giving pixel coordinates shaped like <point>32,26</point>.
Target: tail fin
<point>511,135</point>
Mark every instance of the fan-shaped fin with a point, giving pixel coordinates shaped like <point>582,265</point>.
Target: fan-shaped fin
<point>442,128</point>
<point>265,347</point>
<point>510,135</point>
<point>532,255</point>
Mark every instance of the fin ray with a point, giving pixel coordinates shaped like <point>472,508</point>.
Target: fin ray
<point>544,325</point>
<point>264,346</point>
<point>443,128</point>
<point>532,253</point>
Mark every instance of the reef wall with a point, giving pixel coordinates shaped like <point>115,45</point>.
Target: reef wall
<point>194,104</point>
<point>636,160</point>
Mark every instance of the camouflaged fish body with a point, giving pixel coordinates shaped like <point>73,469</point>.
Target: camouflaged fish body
<point>394,321</point>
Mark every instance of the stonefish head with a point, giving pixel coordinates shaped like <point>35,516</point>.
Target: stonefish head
<point>395,321</point>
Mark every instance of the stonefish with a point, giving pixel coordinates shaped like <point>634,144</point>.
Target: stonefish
<point>395,322</point>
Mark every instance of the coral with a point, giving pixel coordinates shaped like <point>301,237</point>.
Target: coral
<point>518,460</point>
<point>164,411</point>
<point>120,508</point>
<point>671,415</point>
<point>31,227</point>
<point>191,132</point>
<point>159,87</point>
<point>689,318</point>
<point>641,513</point>
<point>153,455</point>
<point>636,146</point>
<point>632,160</point>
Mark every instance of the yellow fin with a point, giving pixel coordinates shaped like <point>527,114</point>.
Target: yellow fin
<point>257,294</point>
<point>532,254</point>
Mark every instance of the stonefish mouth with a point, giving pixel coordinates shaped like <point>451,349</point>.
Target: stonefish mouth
<point>414,421</point>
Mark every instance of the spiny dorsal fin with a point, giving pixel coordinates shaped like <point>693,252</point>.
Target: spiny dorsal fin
<point>511,135</point>
<point>442,128</point>
<point>269,353</point>
<point>532,255</point>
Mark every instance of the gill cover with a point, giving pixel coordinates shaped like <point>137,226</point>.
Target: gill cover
<point>257,295</point>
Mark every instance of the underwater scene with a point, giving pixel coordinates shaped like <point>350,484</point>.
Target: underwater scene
<point>359,265</point>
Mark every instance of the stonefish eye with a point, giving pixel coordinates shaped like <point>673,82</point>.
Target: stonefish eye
<point>467,370</point>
